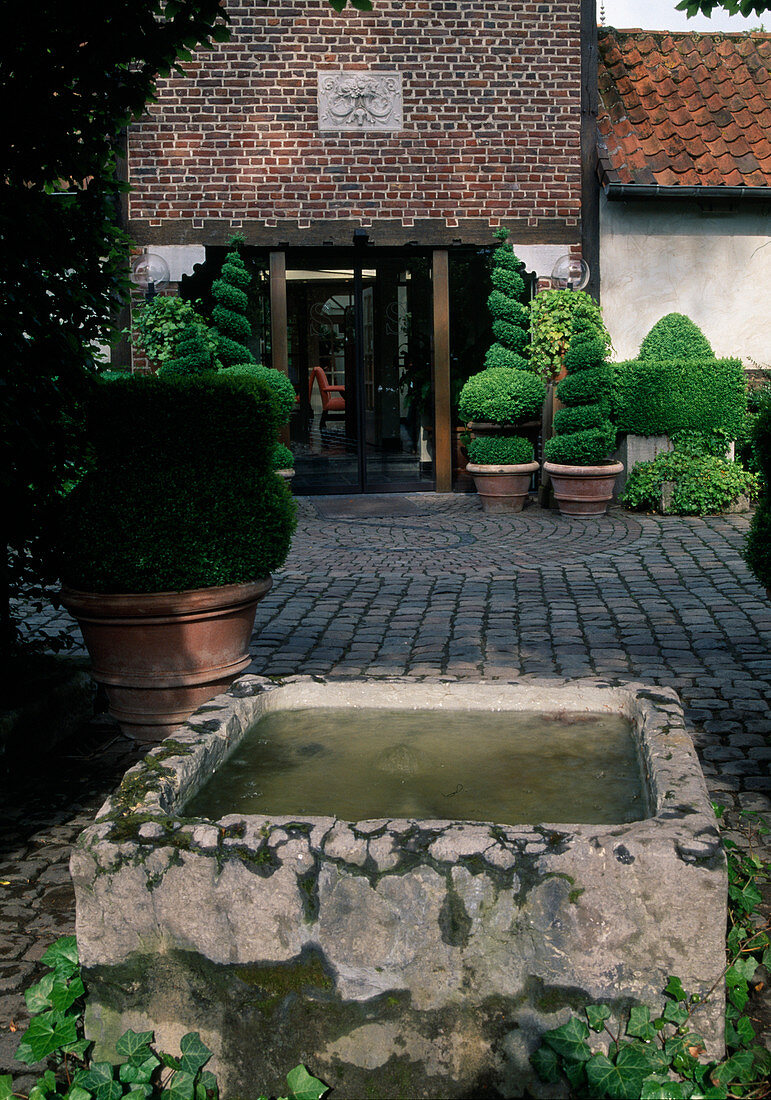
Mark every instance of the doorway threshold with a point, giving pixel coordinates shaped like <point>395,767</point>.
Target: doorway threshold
<point>363,505</point>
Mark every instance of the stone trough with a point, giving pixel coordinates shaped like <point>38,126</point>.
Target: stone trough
<point>396,958</point>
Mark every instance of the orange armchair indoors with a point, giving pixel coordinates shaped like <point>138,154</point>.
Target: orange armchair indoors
<point>332,397</point>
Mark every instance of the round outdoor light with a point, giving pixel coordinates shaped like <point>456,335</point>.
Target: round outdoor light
<point>570,273</point>
<point>150,272</point>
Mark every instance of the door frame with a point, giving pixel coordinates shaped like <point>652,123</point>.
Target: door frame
<point>440,355</point>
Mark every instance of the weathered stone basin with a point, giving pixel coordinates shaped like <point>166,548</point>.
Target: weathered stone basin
<point>396,958</point>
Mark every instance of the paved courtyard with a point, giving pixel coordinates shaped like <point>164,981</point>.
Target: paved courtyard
<point>430,587</point>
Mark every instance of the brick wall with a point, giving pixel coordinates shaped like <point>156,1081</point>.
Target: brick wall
<point>491,128</point>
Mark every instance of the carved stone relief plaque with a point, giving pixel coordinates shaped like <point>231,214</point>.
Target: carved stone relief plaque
<point>360,100</point>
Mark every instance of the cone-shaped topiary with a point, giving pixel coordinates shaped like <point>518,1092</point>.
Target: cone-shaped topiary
<point>229,314</point>
<point>192,354</point>
<point>583,432</point>
<point>510,316</point>
<point>676,337</point>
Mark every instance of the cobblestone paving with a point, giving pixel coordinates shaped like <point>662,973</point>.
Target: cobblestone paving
<point>435,588</point>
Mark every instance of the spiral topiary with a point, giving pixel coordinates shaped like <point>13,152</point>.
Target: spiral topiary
<point>229,314</point>
<point>192,354</point>
<point>510,316</point>
<point>583,432</point>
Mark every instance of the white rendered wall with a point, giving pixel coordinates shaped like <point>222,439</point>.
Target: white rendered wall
<point>659,257</point>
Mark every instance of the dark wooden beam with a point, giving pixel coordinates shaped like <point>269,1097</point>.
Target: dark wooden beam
<point>278,313</point>
<point>442,411</point>
<point>279,345</point>
<point>338,233</point>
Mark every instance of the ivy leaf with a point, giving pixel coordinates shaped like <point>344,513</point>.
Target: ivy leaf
<point>658,1087</point>
<point>133,1044</point>
<point>674,988</point>
<point>138,1073</point>
<point>596,1016</point>
<point>546,1064</point>
<point>45,1087</point>
<point>605,1079</point>
<point>304,1086</point>
<point>739,1067</point>
<point>77,1093</point>
<point>38,996</point>
<point>94,1075</point>
<point>181,1086</point>
<point>569,1040</point>
<point>6,1087</point>
<point>745,1031</point>
<point>640,1025</point>
<point>45,1034</point>
<point>62,956</point>
<point>64,994</point>
<point>675,1013</point>
<point>576,1075</point>
<point>195,1054</point>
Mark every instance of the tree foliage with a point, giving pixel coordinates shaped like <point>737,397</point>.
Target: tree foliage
<point>733,7</point>
<point>76,75</point>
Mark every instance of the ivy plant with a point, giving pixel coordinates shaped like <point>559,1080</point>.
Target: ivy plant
<point>551,326</point>
<point>657,1055</point>
<point>160,324</point>
<point>55,1032</point>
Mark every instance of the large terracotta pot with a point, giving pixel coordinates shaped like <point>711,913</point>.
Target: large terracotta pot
<point>502,488</point>
<point>583,491</point>
<point>160,655</point>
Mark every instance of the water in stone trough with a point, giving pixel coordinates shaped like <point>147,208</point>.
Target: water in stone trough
<point>508,767</point>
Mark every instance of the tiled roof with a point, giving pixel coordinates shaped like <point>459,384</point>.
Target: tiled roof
<point>684,109</point>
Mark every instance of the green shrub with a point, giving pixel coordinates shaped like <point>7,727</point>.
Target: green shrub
<point>502,395</point>
<point>703,484</point>
<point>181,493</point>
<point>583,432</point>
<point>757,552</point>
<point>675,337</point>
<point>281,458</point>
<point>663,397</point>
<point>159,323</point>
<point>193,354</point>
<point>499,450</point>
<point>276,380</point>
<point>229,315</point>
<point>510,319</point>
<point>551,326</point>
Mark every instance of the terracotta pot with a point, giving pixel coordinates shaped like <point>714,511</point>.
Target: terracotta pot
<point>503,488</point>
<point>160,655</point>
<point>583,491</point>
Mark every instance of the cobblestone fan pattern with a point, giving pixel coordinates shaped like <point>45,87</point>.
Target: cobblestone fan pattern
<point>443,590</point>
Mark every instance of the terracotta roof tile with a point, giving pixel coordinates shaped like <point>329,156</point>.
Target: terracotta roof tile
<point>679,109</point>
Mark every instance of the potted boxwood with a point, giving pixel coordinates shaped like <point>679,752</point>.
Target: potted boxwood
<point>502,468</point>
<point>577,455</point>
<point>495,403</point>
<point>167,544</point>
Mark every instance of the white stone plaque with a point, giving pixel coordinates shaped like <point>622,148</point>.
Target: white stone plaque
<point>355,99</point>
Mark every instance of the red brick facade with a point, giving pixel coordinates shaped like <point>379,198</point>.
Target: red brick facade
<point>492,128</point>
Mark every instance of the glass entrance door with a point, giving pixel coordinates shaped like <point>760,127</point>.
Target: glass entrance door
<point>359,344</point>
